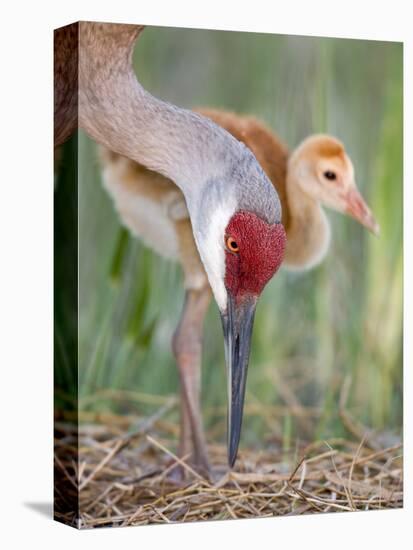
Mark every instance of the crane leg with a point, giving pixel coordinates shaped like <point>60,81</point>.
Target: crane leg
<point>187,347</point>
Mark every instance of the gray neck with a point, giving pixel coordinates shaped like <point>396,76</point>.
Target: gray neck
<point>204,160</point>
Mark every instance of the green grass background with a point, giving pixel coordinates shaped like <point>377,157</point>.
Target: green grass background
<point>313,330</point>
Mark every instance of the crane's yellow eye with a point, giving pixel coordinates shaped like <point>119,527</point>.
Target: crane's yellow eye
<point>232,245</point>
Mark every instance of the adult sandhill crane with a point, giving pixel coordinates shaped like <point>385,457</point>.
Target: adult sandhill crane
<point>318,172</point>
<point>234,209</point>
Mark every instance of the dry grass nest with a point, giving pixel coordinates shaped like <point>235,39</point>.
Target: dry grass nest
<point>116,470</point>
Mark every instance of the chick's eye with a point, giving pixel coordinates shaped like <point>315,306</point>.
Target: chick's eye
<point>232,244</point>
<point>330,175</point>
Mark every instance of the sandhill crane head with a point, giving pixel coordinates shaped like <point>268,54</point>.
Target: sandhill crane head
<point>241,241</point>
<point>325,172</point>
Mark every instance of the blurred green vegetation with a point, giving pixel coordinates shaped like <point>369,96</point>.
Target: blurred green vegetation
<point>313,330</point>
<point>66,273</point>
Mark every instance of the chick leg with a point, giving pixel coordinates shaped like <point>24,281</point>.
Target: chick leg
<point>187,347</point>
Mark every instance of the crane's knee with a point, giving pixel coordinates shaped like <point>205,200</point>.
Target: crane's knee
<point>186,345</point>
<point>187,339</point>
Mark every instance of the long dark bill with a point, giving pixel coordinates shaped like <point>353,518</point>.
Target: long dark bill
<point>237,323</point>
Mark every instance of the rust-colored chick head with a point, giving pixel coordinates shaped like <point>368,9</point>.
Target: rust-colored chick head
<point>325,172</point>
